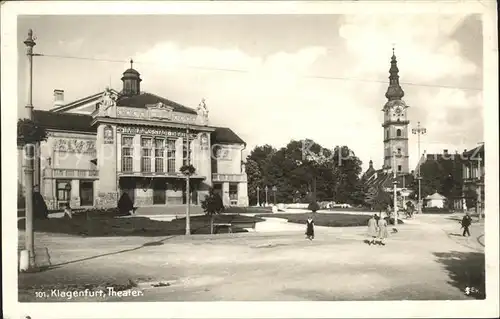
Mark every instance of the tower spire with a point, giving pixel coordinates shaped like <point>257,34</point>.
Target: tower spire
<point>394,91</point>
<point>131,63</point>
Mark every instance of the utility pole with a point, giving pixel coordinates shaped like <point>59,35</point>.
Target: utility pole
<point>28,161</point>
<point>419,131</point>
<point>479,185</point>
<point>395,183</point>
<point>188,197</point>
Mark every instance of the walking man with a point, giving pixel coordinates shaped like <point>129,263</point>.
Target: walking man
<point>466,222</point>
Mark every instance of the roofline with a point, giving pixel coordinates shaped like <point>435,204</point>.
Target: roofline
<point>76,102</point>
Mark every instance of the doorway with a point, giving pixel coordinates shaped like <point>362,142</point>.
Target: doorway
<point>159,192</point>
<point>127,185</point>
<point>86,193</point>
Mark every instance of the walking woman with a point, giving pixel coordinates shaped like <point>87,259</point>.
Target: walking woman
<point>310,228</point>
<point>382,231</point>
<point>372,229</point>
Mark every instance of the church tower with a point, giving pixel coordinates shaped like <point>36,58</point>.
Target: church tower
<point>395,124</point>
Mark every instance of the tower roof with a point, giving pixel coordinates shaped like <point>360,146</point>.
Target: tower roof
<point>394,91</point>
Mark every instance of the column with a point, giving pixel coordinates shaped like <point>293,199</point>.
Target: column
<point>179,157</point>
<point>107,164</point>
<point>136,166</point>
<point>242,194</point>
<point>74,200</point>
<point>225,194</point>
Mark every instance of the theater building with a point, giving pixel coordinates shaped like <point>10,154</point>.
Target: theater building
<point>135,142</point>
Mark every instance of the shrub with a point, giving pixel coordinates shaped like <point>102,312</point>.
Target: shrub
<point>212,205</point>
<point>313,206</point>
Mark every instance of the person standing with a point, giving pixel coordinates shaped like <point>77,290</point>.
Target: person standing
<point>310,228</point>
<point>382,231</point>
<point>466,222</point>
<point>372,229</point>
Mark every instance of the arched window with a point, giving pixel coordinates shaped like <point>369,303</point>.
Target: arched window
<point>387,134</point>
<point>398,133</point>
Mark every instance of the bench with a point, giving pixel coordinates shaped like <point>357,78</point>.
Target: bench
<point>219,226</point>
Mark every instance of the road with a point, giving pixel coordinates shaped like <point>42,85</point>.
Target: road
<point>423,260</point>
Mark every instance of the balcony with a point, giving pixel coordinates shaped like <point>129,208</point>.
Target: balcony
<point>70,173</point>
<point>216,177</point>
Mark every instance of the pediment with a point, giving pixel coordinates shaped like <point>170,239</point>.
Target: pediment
<point>85,105</point>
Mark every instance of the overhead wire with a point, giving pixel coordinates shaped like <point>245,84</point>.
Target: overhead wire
<point>321,77</point>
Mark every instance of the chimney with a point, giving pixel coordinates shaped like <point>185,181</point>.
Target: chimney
<point>58,98</point>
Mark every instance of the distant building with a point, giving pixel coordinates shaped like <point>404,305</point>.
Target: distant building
<point>395,141</point>
<point>473,176</point>
<point>435,200</point>
<point>135,142</point>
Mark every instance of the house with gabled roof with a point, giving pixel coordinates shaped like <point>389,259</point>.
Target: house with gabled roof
<point>134,142</point>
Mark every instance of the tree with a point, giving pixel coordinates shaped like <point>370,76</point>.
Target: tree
<point>212,205</point>
<point>188,170</point>
<point>257,166</point>
<point>381,201</point>
<point>29,132</point>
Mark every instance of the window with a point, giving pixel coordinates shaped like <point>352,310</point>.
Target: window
<point>63,190</point>
<point>399,151</point>
<point>399,168</point>
<point>398,133</point>
<point>127,153</point>
<point>146,145</point>
<point>387,134</point>
<point>233,193</point>
<point>185,151</point>
<point>159,151</point>
<point>170,156</point>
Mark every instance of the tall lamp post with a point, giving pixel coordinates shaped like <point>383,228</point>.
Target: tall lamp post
<point>188,197</point>
<point>395,183</point>
<point>419,131</point>
<point>29,252</point>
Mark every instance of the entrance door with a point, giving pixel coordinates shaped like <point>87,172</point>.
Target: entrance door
<point>128,186</point>
<point>86,193</point>
<point>159,192</point>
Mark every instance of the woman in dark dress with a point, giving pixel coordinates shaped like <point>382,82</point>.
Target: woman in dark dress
<point>310,228</point>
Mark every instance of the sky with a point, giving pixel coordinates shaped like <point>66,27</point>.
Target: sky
<point>273,78</point>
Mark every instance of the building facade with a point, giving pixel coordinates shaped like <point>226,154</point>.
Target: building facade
<point>473,173</point>
<point>135,142</point>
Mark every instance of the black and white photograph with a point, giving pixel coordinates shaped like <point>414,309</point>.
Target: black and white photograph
<point>314,153</point>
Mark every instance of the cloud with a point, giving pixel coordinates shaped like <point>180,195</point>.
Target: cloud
<point>267,99</point>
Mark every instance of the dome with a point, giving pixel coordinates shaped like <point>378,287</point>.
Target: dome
<point>131,71</point>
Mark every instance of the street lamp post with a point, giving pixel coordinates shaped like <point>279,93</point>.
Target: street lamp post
<point>258,193</point>
<point>266,189</point>
<point>188,197</point>
<point>479,185</point>
<point>419,131</point>
<point>275,189</point>
<point>395,183</point>
<point>28,162</point>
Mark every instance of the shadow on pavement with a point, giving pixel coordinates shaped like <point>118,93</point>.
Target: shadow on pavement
<point>466,270</point>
